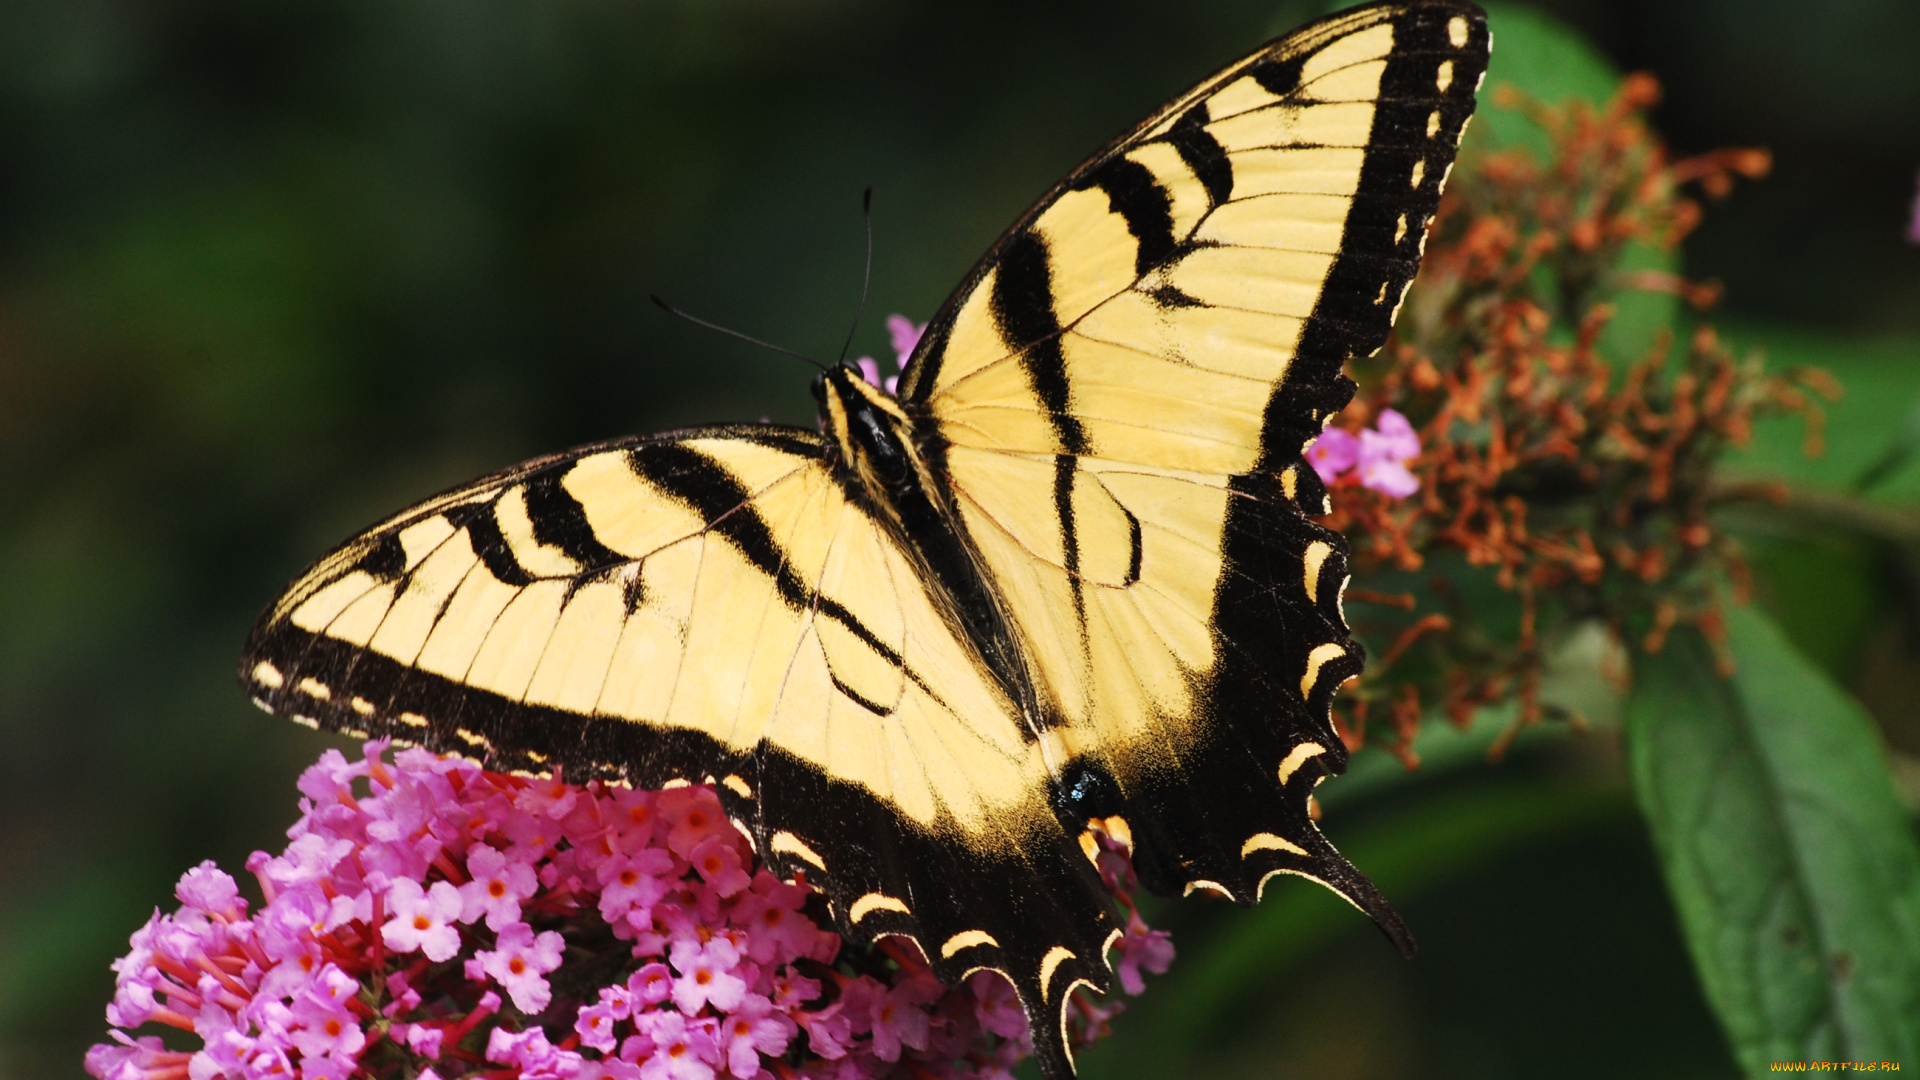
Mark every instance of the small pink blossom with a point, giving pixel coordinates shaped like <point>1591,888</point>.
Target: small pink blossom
<point>595,1026</point>
<point>131,1059</point>
<point>717,861</point>
<point>520,963</point>
<point>423,919</point>
<point>753,1029</point>
<point>899,1017</point>
<point>1333,453</point>
<point>706,975</point>
<point>1384,451</point>
<point>996,1006</point>
<point>651,985</point>
<point>904,334</point>
<point>209,889</point>
<point>1381,454</point>
<point>776,930</point>
<point>829,1031</point>
<point>499,885</point>
<point>323,1025</point>
<point>1141,946</point>
<point>424,1039</point>
<point>692,814</point>
<point>531,1053</point>
<point>682,1050</point>
<point>633,883</point>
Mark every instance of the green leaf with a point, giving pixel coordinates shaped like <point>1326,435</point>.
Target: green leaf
<point>1547,59</point>
<point>1794,868</point>
<point>1866,429</point>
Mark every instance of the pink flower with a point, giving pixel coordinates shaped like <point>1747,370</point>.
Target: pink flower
<point>1381,452</point>
<point>424,1039</point>
<point>905,335</point>
<point>776,930</point>
<point>423,919</point>
<point>751,1030</point>
<point>996,1006</point>
<point>325,1026</point>
<point>130,1059</point>
<point>595,1027</point>
<point>497,888</point>
<point>717,861</point>
<point>630,816</point>
<point>531,1053</point>
<point>692,814</point>
<point>1141,946</point>
<point>630,882</point>
<point>682,1050</point>
<point>1384,452</point>
<point>899,1018</point>
<point>1333,453</point>
<point>209,889</point>
<point>651,985</point>
<point>706,975</point>
<point>520,963</point>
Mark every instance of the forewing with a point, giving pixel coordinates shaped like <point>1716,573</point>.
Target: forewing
<point>1122,393</point>
<point>711,607</point>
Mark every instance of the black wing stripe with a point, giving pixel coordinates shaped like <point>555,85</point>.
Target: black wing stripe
<point>386,559</point>
<point>1064,466</point>
<point>1023,308</point>
<point>1137,196</point>
<point>1203,153</point>
<point>559,521</point>
<point>1280,77</point>
<point>490,544</point>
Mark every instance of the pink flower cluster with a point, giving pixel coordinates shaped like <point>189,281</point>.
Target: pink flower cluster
<point>429,919</point>
<point>1378,455</point>
<point>906,334</point>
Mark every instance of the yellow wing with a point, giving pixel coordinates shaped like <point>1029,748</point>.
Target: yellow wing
<point>709,606</point>
<point>1121,394</point>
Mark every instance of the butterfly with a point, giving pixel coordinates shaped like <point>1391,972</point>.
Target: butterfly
<point>1066,578</point>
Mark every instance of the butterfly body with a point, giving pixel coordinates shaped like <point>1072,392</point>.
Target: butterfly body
<point>1067,577</point>
<point>886,458</point>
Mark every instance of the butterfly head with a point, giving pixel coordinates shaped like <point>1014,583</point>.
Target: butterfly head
<point>868,427</point>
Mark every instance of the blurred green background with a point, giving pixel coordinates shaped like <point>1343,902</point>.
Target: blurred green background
<point>271,269</point>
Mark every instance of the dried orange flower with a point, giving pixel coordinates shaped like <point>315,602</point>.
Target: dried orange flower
<point>1557,484</point>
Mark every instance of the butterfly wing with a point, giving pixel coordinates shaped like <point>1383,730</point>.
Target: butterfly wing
<point>1121,395</point>
<point>709,606</point>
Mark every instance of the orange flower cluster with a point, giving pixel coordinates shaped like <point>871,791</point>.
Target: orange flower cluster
<point>1558,484</point>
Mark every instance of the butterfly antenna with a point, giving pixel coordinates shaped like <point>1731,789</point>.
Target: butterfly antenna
<point>697,321</point>
<point>866,212</point>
